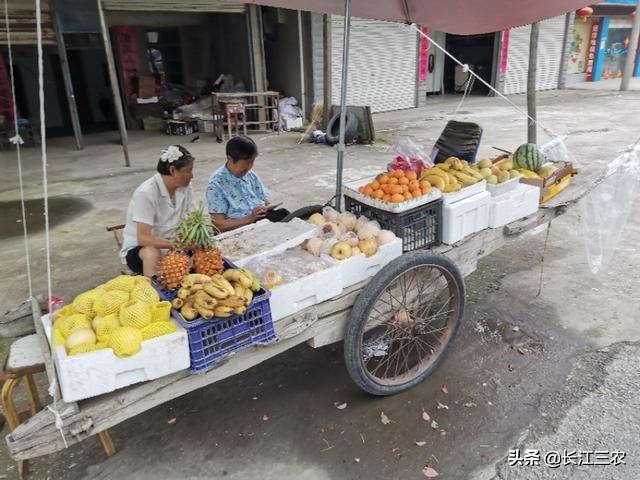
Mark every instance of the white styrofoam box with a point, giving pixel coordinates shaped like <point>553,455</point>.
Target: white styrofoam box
<point>465,217</point>
<point>304,292</point>
<point>502,188</point>
<point>466,192</point>
<point>263,238</point>
<point>89,374</point>
<point>351,189</point>
<point>359,268</point>
<point>513,205</point>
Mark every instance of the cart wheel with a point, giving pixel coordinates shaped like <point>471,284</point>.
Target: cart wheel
<point>403,323</point>
<point>303,213</point>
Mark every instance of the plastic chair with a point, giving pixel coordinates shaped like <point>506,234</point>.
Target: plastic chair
<point>458,139</point>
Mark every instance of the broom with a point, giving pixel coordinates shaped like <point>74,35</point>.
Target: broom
<point>316,118</point>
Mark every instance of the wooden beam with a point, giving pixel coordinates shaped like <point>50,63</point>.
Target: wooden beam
<point>68,84</point>
<point>113,79</point>
<point>532,127</point>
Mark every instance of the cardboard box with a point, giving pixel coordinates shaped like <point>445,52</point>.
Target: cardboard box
<point>555,183</point>
<point>146,86</point>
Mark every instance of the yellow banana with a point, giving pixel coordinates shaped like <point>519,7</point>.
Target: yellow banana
<point>204,312</point>
<point>453,180</point>
<point>248,295</point>
<point>474,173</point>
<point>464,178</point>
<point>246,277</point>
<point>451,161</point>
<point>435,180</point>
<point>221,282</point>
<point>215,291</point>
<point>188,312</point>
<point>202,299</point>
<point>183,293</point>
<point>444,166</point>
<point>177,303</point>
<point>438,172</point>
<point>454,187</point>
<point>232,302</point>
<point>240,310</point>
<point>255,286</point>
<point>222,311</point>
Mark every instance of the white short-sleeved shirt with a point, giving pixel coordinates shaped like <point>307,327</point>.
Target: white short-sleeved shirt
<point>151,204</point>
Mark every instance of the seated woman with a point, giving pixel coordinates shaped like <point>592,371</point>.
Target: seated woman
<point>236,195</point>
<point>155,210</point>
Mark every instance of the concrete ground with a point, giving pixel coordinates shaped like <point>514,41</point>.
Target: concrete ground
<point>602,85</point>
<point>571,385</point>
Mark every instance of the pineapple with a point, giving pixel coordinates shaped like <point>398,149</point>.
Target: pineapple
<point>208,261</point>
<point>195,233</point>
<point>172,269</point>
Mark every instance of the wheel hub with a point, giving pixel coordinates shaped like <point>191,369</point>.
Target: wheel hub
<point>402,319</point>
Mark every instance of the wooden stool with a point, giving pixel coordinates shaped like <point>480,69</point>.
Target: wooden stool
<point>236,114</point>
<point>24,360</point>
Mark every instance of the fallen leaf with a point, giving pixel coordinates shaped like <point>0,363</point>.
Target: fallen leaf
<point>384,419</point>
<point>442,405</point>
<point>444,389</point>
<point>357,460</point>
<point>265,418</point>
<point>171,420</point>
<point>425,416</point>
<point>434,424</point>
<point>469,404</point>
<point>429,472</point>
<point>421,444</point>
<point>522,350</point>
<point>340,406</point>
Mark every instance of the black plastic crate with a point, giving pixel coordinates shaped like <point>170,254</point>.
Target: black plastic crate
<point>418,227</point>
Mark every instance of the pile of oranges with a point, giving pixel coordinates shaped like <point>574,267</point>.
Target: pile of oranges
<point>396,186</point>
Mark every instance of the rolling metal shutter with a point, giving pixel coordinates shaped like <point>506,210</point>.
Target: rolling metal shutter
<point>218,6</point>
<point>382,64</point>
<point>22,20</point>
<point>549,55</point>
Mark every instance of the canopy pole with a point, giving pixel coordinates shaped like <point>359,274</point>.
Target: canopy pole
<point>113,78</point>
<point>631,51</point>
<point>343,100</point>
<point>66,75</point>
<point>532,136</point>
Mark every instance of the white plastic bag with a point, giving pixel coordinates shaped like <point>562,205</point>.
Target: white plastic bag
<point>556,151</point>
<point>605,210</point>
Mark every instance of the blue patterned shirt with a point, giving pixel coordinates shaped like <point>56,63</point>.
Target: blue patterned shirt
<point>232,196</point>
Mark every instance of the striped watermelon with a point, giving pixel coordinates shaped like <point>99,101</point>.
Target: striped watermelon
<point>528,156</point>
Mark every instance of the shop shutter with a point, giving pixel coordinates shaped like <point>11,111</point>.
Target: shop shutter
<point>217,6</point>
<point>22,20</point>
<point>549,55</point>
<point>382,64</point>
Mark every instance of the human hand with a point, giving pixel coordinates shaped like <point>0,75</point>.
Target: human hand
<point>258,213</point>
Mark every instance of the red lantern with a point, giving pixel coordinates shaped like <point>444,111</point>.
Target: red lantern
<point>584,13</point>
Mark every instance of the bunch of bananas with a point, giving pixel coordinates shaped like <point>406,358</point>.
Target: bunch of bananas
<point>451,175</point>
<point>216,296</point>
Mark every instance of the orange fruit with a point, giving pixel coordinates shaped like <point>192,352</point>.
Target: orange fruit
<point>403,181</point>
<point>398,174</point>
<point>408,196</point>
<point>385,188</point>
<point>411,175</point>
<point>397,198</point>
<point>368,190</point>
<point>375,185</point>
<point>416,192</point>
<point>378,194</point>
<point>393,181</point>
<point>413,184</point>
<point>386,198</point>
<point>361,189</point>
<point>405,188</point>
<point>383,179</point>
<point>424,184</point>
<point>396,189</point>
<point>426,190</point>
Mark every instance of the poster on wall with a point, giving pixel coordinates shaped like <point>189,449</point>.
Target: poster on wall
<point>423,68</point>
<point>6,100</point>
<point>593,44</point>
<point>129,56</point>
<point>579,47</point>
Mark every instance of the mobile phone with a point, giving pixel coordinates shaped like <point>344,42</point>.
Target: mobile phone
<point>271,207</point>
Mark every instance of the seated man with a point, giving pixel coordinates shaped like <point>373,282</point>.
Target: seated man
<point>236,195</point>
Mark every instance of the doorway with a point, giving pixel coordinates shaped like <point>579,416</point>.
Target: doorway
<point>476,51</point>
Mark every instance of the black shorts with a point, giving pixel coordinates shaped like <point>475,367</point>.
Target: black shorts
<point>134,262</point>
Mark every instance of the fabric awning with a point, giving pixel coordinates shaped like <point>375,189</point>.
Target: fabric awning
<point>464,17</point>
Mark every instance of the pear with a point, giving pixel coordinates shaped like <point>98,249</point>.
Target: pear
<point>492,179</point>
<point>485,172</point>
<point>514,173</point>
<point>486,163</point>
<point>503,176</point>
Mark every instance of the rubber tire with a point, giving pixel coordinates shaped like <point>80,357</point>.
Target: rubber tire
<point>332,136</point>
<point>304,213</point>
<point>360,312</point>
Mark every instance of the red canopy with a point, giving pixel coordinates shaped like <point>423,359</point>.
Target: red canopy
<point>464,17</point>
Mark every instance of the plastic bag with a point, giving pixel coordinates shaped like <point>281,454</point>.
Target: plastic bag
<point>410,156</point>
<point>605,210</point>
<point>556,151</point>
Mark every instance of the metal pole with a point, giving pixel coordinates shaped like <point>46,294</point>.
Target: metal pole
<point>566,42</point>
<point>632,51</point>
<point>326,70</point>
<point>343,100</point>
<point>303,94</point>
<point>66,75</point>
<point>532,136</point>
<point>113,79</point>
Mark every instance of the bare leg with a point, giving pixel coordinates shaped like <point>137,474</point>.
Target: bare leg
<point>150,257</point>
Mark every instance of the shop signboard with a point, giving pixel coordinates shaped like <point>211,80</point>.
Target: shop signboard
<point>593,47</point>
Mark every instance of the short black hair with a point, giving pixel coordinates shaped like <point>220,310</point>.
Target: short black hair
<point>185,160</point>
<point>241,148</point>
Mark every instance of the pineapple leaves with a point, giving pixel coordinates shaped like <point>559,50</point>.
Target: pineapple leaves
<point>196,230</point>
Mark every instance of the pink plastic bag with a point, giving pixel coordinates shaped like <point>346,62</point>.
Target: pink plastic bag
<point>410,156</point>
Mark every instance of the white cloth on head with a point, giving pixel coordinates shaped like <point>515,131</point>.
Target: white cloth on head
<point>152,205</point>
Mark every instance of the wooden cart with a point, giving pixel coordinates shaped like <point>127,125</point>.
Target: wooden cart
<point>347,317</point>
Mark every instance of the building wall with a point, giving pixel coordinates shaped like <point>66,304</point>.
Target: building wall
<point>317,57</point>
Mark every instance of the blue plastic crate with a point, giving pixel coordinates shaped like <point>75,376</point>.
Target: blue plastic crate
<point>211,341</point>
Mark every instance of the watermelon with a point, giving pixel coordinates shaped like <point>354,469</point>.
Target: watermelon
<point>528,156</point>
